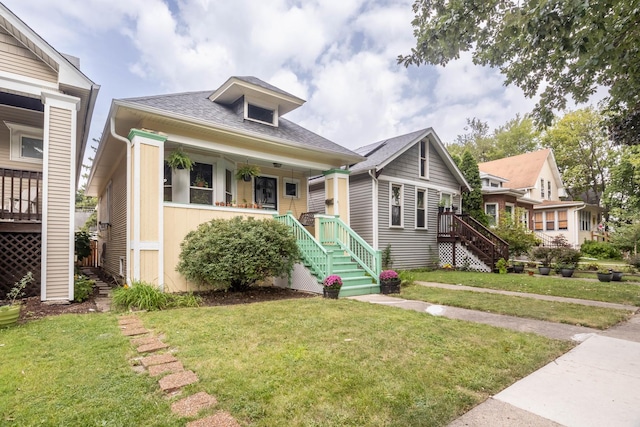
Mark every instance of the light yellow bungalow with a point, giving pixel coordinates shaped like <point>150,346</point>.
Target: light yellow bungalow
<point>146,207</point>
<point>46,104</point>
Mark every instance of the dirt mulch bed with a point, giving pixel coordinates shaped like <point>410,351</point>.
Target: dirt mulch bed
<point>33,308</point>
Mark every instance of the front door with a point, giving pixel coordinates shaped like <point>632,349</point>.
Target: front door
<point>266,192</point>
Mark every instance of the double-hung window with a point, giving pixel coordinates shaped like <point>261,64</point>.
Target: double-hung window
<point>421,211</point>
<point>423,163</point>
<point>491,209</point>
<point>396,201</point>
<point>563,223</point>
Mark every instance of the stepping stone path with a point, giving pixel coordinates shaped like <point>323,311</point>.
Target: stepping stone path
<point>174,376</point>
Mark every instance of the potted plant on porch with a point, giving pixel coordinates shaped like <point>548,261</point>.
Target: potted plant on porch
<point>9,314</point>
<point>178,159</point>
<point>331,286</point>
<point>246,172</point>
<point>546,256</point>
<point>389,282</point>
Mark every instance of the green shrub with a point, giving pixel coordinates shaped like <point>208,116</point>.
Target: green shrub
<point>145,296</point>
<point>568,257</point>
<point>501,265</point>
<point>82,288</point>
<point>235,254</point>
<point>600,250</point>
<point>634,261</point>
<point>406,278</point>
<point>82,244</point>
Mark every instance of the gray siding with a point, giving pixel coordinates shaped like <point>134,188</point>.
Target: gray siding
<point>360,205</point>
<point>411,247</point>
<point>316,197</point>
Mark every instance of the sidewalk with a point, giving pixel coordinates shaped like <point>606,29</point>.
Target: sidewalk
<point>595,384</point>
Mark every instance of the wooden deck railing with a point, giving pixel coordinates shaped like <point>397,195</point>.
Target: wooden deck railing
<point>20,195</point>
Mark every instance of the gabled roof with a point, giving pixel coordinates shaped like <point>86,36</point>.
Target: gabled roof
<point>197,106</point>
<point>381,153</point>
<point>522,171</point>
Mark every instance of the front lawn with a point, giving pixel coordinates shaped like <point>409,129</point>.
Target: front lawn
<point>73,370</point>
<point>573,314</point>
<point>620,293</point>
<point>316,362</point>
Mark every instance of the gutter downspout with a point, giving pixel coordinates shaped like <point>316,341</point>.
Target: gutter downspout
<point>112,131</point>
<point>374,207</point>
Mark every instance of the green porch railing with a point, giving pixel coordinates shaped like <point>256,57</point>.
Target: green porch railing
<point>333,231</point>
<point>318,259</point>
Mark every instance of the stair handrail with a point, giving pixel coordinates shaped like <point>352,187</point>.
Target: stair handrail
<point>460,225</point>
<point>502,247</point>
<point>333,231</point>
<point>319,259</point>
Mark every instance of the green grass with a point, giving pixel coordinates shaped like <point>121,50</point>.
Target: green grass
<point>620,293</point>
<point>316,362</point>
<point>572,314</point>
<point>73,370</point>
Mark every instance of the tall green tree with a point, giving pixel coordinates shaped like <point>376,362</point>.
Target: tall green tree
<point>472,201</point>
<point>555,48</point>
<point>476,140</point>
<point>622,194</point>
<point>583,151</point>
<point>518,136</point>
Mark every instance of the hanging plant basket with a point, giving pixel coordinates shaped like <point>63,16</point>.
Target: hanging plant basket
<point>178,159</point>
<point>246,172</point>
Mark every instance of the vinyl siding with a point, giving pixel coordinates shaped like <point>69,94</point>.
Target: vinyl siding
<point>60,193</point>
<point>411,247</point>
<point>17,59</point>
<point>24,117</point>
<point>316,197</point>
<point>115,236</point>
<point>361,202</point>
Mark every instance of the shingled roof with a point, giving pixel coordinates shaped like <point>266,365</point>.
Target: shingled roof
<point>522,171</point>
<point>198,106</point>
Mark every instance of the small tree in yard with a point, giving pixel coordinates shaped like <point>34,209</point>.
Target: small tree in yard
<point>515,233</point>
<point>235,254</point>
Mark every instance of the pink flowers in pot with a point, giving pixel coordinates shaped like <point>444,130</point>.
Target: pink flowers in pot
<point>387,275</point>
<point>333,282</point>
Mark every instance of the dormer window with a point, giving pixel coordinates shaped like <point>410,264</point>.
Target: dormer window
<point>260,114</point>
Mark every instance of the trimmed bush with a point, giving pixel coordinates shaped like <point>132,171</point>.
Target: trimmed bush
<point>600,250</point>
<point>237,253</point>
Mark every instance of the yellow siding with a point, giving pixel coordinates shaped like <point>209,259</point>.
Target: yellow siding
<point>115,236</point>
<point>149,199</point>
<point>60,192</point>
<point>330,195</point>
<point>177,223</point>
<point>149,266</point>
<point>15,58</point>
<point>343,191</point>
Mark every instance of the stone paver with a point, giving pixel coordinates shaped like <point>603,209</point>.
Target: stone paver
<point>142,341</point>
<point>134,332</point>
<point>148,348</point>
<point>173,382</point>
<point>191,405</point>
<point>219,419</point>
<point>171,367</point>
<point>157,359</point>
<point>126,318</point>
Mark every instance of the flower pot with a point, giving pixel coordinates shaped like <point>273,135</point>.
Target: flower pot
<point>617,276</point>
<point>391,286</point>
<point>331,293</point>
<point>518,268</point>
<point>544,270</point>
<point>605,277</point>
<point>246,178</point>
<point>9,315</point>
<point>530,273</point>
<point>566,272</point>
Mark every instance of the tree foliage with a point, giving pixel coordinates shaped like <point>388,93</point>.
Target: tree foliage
<point>517,136</point>
<point>515,233</point>
<point>583,152</point>
<point>236,253</point>
<point>558,48</point>
<point>82,244</point>
<point>622,195</point>
<point>472,201</point>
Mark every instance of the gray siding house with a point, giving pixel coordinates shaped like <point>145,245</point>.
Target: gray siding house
<point>394,196</point>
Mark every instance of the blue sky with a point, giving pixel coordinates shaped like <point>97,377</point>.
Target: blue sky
<point>338,55</point>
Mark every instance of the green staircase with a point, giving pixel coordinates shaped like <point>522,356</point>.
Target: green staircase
<point>341,252</point>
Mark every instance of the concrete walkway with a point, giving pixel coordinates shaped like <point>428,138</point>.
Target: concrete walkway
<point>595,384</point>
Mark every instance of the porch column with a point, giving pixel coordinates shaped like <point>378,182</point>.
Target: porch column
<point>147,214</point>
<point>58,195</point>
<point>336,190</point>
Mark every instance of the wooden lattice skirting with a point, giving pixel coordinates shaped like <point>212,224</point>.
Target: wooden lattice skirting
<point>20,253</point>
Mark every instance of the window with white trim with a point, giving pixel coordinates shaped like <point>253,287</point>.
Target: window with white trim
<point>491,209</point>
<point>549,190</point>
<point>264,113</point>
<point>550,220</point>
<point>291,188</point>
<point>563,222</point>
<point>396,203</point>
<point>585,221</point>
<point>421,208</point>
<point>423,164</point>
<point>542,188</point>
<point>446,199</point>
<point>26,143</point>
